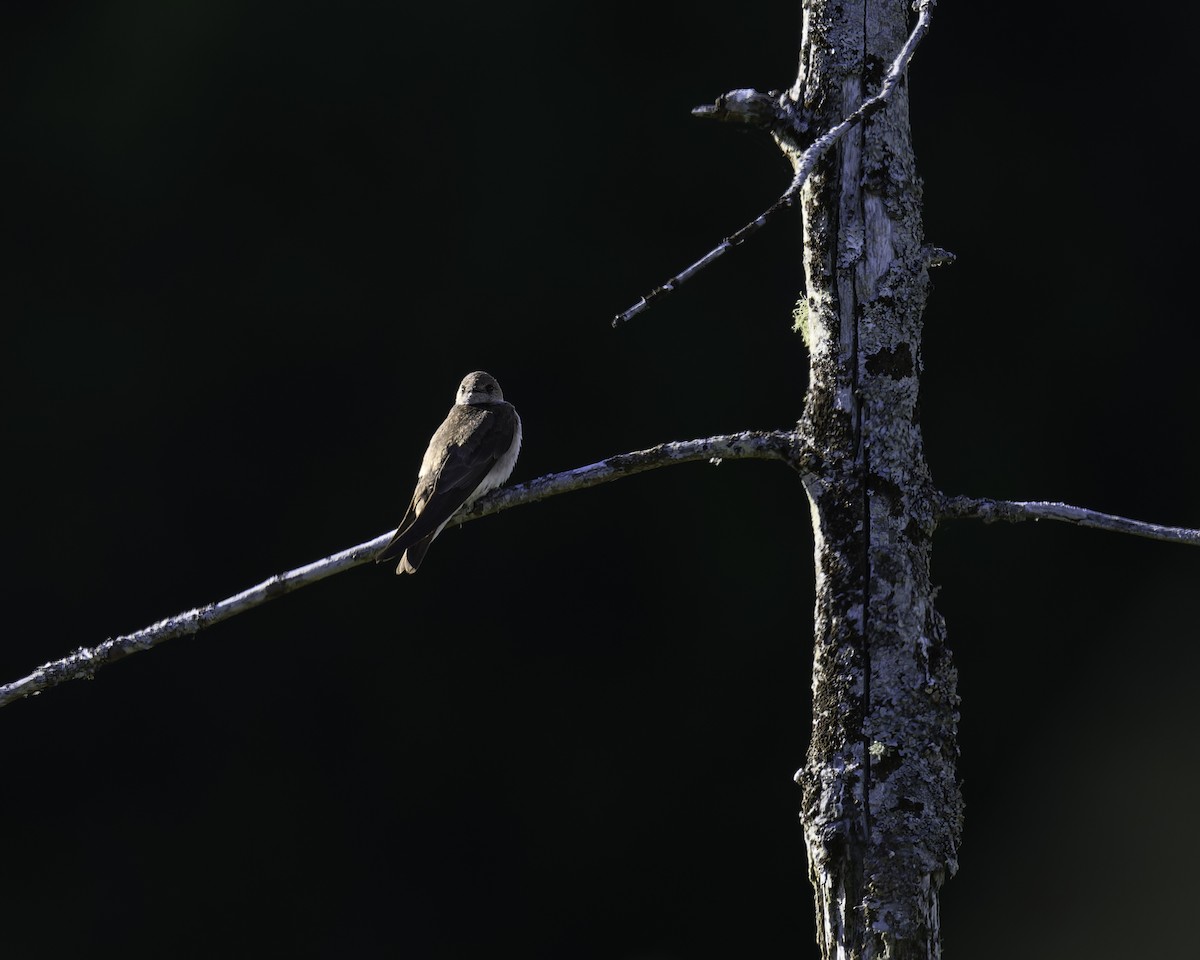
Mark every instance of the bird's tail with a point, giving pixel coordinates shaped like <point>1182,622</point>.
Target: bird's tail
<point>414,555</point>
<point>410,529</point>
<point>397,545</point>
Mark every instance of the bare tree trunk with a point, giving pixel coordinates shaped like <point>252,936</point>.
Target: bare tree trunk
<point>882,808</point>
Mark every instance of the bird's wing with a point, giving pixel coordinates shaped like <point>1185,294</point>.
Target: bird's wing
<point>474,439</point>
<point>394,546</point>
<point>414,554</point>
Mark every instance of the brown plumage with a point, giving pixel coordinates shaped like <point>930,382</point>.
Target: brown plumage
<point>472,452</point>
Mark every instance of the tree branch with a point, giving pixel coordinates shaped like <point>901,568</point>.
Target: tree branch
<point>84,662</point>
<point>1015,511</point>
<point>782,118</point>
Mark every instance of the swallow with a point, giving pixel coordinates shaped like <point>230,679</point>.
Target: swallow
<point>472,452</point>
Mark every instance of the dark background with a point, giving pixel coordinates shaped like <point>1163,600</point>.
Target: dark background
<point>249,251</point>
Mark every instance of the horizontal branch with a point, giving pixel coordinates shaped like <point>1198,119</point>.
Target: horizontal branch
<point>751,107</point>
<point>84,662</point>
<point>1016,511</point>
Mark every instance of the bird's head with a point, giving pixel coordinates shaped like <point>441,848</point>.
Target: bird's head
<point>479,387</point>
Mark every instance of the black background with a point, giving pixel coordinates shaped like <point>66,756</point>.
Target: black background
<point>249,251</point>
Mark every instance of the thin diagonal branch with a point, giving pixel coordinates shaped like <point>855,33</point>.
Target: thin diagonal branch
<point>1015,511</point>
<point>747,105</point>
<point>84,662</point>
<point>748,445</point>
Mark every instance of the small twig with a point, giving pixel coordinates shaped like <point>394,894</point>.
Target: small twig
<point>84,662</point>
<point>1015,511</point>
<point>804,164</point>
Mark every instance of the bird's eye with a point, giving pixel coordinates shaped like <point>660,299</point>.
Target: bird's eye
<point>490,387</point>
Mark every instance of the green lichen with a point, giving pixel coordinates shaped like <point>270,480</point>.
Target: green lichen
<point>800,321</point>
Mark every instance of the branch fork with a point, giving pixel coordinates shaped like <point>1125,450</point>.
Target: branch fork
<point>783,116</point>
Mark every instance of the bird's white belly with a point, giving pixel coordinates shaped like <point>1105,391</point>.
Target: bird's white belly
<point>501,471</point>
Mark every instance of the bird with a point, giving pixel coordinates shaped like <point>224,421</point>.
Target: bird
<point>472,452</point>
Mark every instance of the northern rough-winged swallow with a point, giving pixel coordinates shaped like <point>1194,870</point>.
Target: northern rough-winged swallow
<point>472,452</point>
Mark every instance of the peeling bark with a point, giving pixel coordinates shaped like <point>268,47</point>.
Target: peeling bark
<point>882,807</point>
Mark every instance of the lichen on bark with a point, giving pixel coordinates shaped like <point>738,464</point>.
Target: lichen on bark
<point>882,808</point>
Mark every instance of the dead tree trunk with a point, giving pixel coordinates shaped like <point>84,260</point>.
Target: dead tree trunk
<point>882,808</point>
